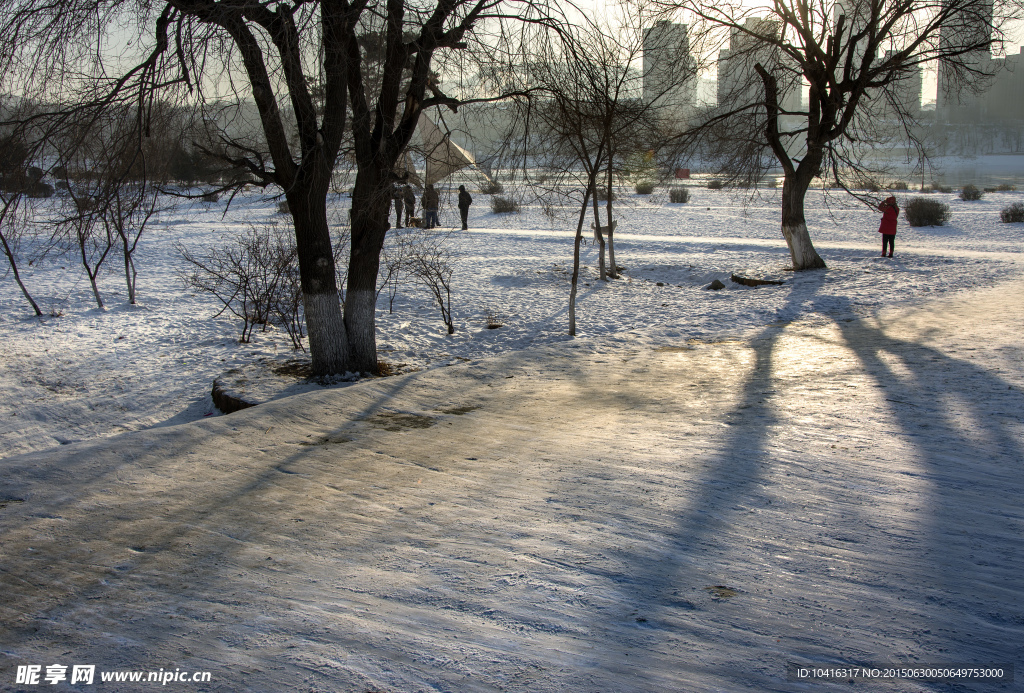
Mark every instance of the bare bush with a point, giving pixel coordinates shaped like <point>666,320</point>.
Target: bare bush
<point>1014,214</point>
<point>679,194</point>
<point>715,184</point>
<point>645,187</point>
<point>504,205</point>
<point>255,279</point>
<point>922,211</point>
<point>491,187</point>
<point>430,261</point>
<point>971,193</point>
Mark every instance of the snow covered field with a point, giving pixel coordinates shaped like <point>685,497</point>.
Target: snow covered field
<point>702,488</point>
<point>94,373</point>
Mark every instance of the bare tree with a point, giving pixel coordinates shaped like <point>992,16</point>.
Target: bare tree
<point>856,57</point>
<point>313,84</point>
<point>593,110</point>
<point>13,220</point>
<point>430,260</point>
<point>126,216</point>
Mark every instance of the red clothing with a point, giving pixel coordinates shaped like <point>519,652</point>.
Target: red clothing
<point>890,213</point>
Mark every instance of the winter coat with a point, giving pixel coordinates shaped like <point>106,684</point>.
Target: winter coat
<point>409,196</point>
<point>890,213</point>
<point>465,199</point>
<point>431,199</point>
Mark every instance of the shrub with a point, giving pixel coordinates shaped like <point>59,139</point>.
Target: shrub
<point>504,205</point>
<point>257,279</point>
<point>679,194</point>
<point>921,211</point>
<point>936,187</point>
<point>899,185</point>
<point>715,184</point>
<point>1014,214</point>
<point>970,193</point>
<point>249,279</point>
<point>602,195</point>
<point>491,187</point>
<point>1005,187</point>
<point>644,187</point>
<point>210,197</point>
<point>39,189</point>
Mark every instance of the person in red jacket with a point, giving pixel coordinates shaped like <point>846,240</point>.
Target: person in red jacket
<point>890,213</point>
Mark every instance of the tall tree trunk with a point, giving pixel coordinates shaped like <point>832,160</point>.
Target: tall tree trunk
<point>328,345</point>
<point>129,274</point>
<point>93,271</point>
<point>598,234</point>
<point>797,177</point>
<point>794,224</point>
<point>371,211</point>
<point>576,259</point>
<point>9,252</point>
<point>612,272</point>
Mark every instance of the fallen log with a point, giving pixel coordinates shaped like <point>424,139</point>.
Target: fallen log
<point>747,281</point>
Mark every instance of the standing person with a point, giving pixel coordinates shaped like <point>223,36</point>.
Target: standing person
<point>890,213</point>
<point>396,195</point>
<point>431,201</point>
<point>465,200</point>
<point>409,198</point>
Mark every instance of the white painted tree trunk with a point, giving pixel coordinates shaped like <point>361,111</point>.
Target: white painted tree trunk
<point>328,346</point>
<point>800,247</point>
<point>360,320</point>
<point>794,223</point>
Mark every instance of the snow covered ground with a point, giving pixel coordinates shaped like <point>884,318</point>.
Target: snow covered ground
<point>92,373</point>
<point>702,488</point>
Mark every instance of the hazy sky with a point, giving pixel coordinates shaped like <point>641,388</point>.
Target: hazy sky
<point>1015,40</point>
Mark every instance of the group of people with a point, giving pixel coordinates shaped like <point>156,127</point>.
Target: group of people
<point>405,201</point>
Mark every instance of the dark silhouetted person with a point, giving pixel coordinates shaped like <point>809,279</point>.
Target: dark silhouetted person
<point>431,201</point>
<point>465,200</point>
<point>396,195</point>
<point>409,198</point>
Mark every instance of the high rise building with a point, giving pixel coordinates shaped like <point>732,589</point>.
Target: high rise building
<point>669,82</point>
<point>905,91</point>
<point>738,82</point>
<point>970,27</point>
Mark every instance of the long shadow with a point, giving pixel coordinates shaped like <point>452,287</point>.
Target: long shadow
<point>954,585</point>
<point>668,589</point>
<point>964,426</point>
<point>41,589</point>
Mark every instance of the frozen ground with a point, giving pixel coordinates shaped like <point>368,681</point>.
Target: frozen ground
<point>91,373</point>
<point>675,514</point>
<point>704,487</point>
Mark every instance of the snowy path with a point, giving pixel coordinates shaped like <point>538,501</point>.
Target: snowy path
<point>589,516</point>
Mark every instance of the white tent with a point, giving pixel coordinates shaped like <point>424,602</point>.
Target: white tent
<point>443,157</point>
